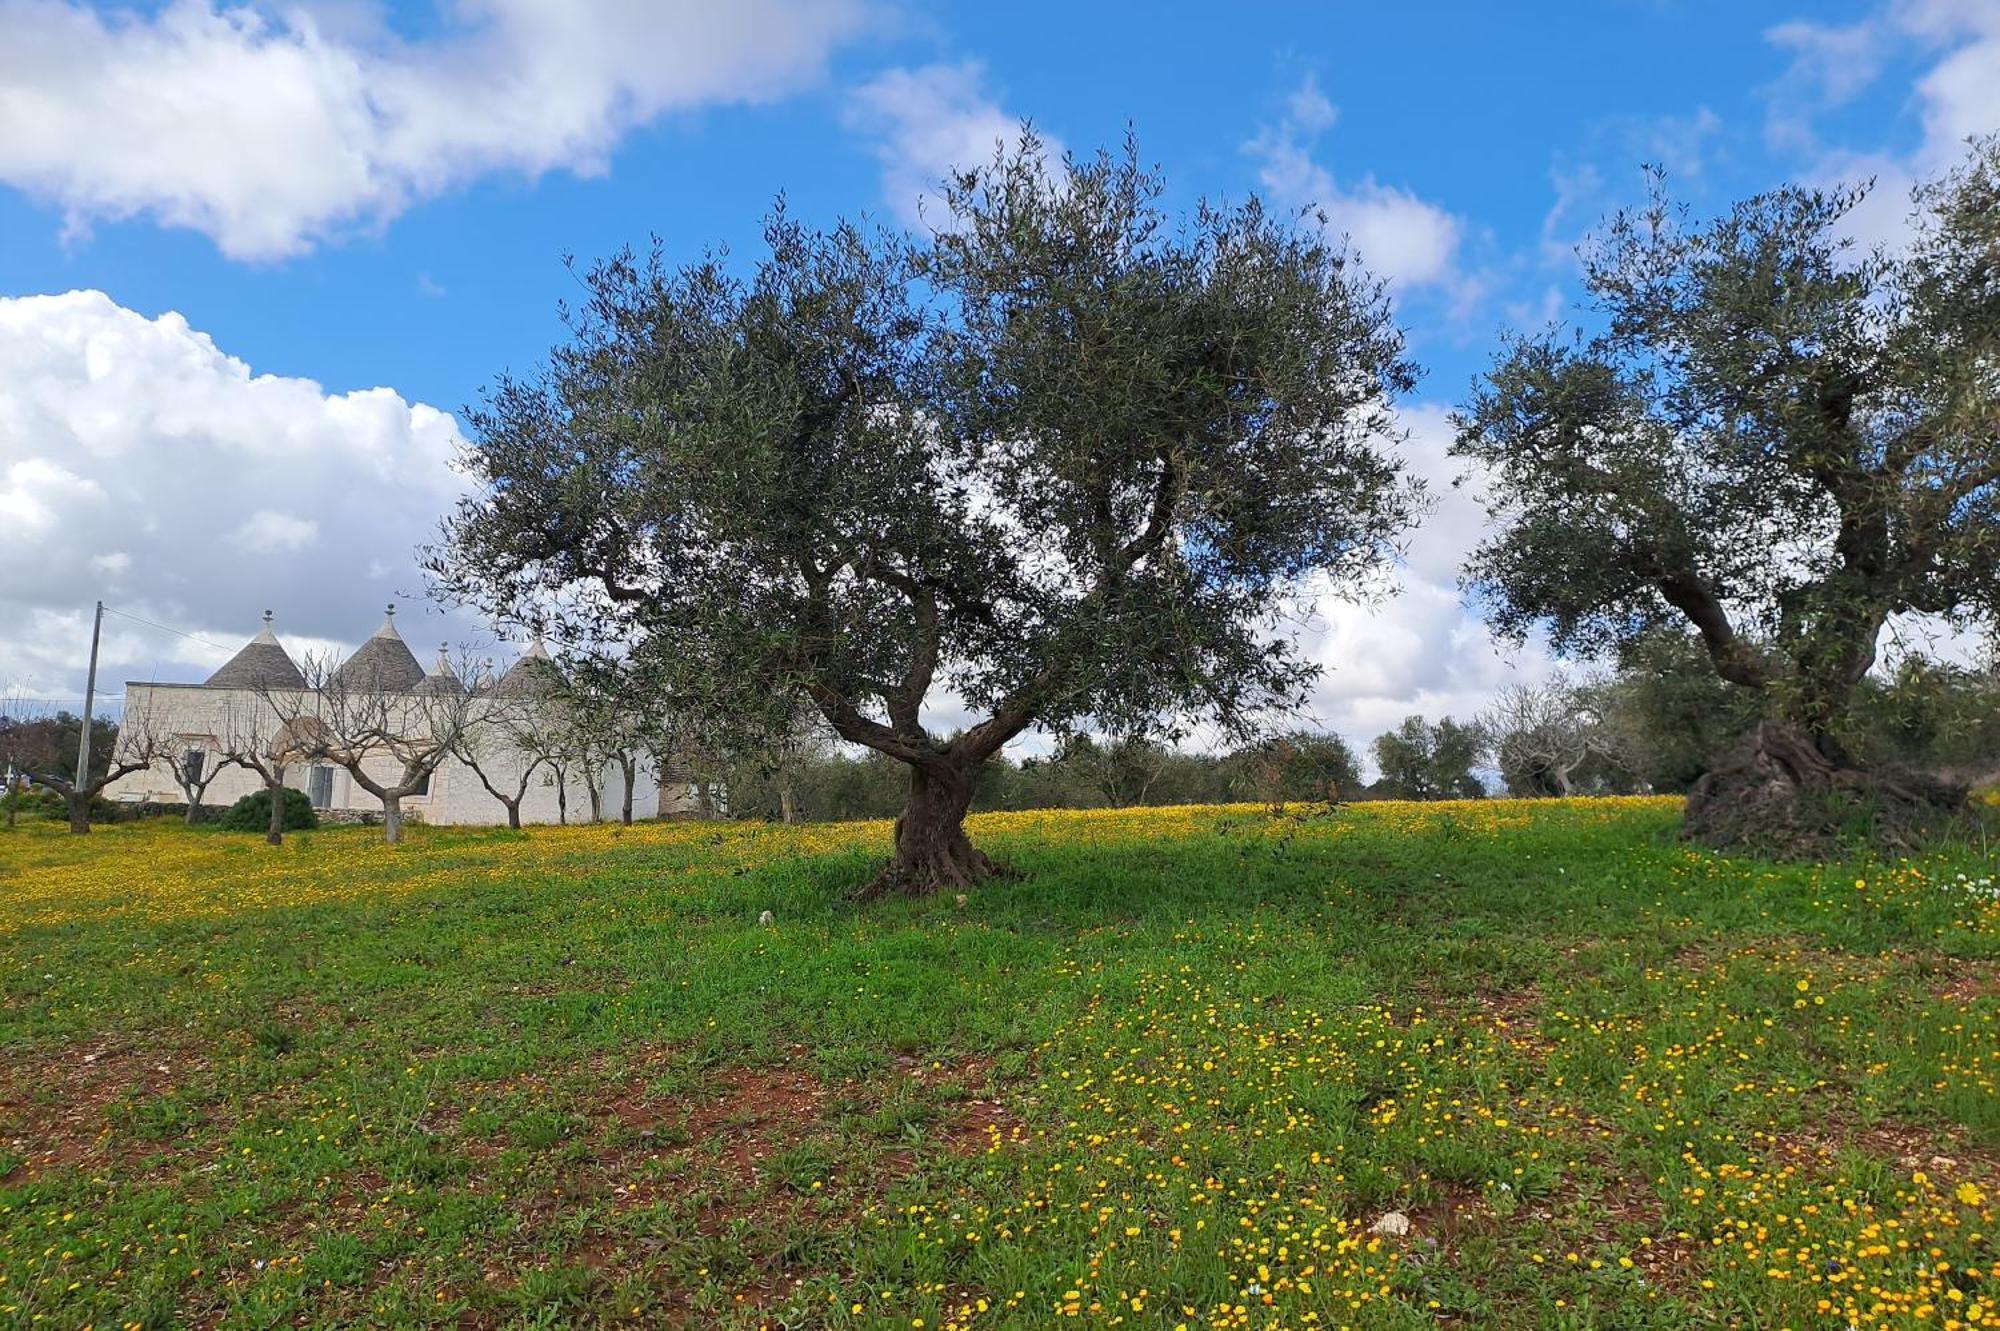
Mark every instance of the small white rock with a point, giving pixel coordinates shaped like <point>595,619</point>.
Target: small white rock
<point>1394,1224</point>
<point>767,919</point>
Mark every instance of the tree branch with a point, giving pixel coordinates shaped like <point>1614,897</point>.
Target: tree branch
<point>1734,661</point>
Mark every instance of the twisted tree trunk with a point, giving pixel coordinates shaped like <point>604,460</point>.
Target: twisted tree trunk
<point>932,851</point>
<point>1789,792</point>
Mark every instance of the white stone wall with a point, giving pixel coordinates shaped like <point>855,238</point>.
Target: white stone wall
<point>455,797</point>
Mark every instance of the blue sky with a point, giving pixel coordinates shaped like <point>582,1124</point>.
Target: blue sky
<point>359,197</point>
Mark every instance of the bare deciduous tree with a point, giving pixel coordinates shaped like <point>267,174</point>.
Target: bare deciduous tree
<point>610,717</point>
<point>191,761</point>
<point>389,741</point>
<point>1542,733</point>
<point>260,737</point>
<point>507,743</point>
<point>79,789</point>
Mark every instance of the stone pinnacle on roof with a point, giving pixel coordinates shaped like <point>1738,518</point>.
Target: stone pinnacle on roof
<point>263,663</point>
<point>384,664</point>
<point>442,679</point>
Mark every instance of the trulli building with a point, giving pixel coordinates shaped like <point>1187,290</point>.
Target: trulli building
<point>247,701</point>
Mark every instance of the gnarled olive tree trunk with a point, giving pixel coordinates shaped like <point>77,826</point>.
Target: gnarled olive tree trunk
<point>1780,791</point>
<point>932,852</point>
<point>1792,787</point>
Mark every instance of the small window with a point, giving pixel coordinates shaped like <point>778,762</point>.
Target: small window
<point>193,763</point>
<point>319,787</point>
<point>423,785</point>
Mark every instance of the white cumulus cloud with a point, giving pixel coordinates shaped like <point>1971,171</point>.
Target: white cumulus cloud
<point>1419,650</point>
<point>926,123</point>
<point>267,531</point>
<point>1956,97</point>
<point>143,465</point>
<point>271,127</point>
<point>1406,239</point>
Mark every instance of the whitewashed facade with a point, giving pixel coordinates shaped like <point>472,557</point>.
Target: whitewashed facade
<point>207,718</point>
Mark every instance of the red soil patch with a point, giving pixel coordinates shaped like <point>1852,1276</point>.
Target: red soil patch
<point>1941,1150</point>
<point>751,1112</point>
<point>1460,1212</point>
<point>1970,980</point>
<point>975,1124</point>
<point>55,1110</point>
<point>1668,1262</point>
<point>1511,1015</point>
<point>979,1127</point>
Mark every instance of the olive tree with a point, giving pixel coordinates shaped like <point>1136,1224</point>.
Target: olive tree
<point>1069,459</point>
<point>1775,436</point>
<point>1425,760</point>
<point>1303,765</point>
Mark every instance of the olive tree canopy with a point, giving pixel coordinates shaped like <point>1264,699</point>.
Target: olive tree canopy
<point>1777,437</point>
<point>1068,460</point>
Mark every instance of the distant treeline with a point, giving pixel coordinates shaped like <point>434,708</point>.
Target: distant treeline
<point>1653,725</point>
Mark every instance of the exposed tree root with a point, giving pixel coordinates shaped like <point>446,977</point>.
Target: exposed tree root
<point>1777,794</point>
<point>922,878</point>
<point>929,860</point>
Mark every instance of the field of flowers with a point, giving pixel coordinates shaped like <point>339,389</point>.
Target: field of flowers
<point>1391,1066</point>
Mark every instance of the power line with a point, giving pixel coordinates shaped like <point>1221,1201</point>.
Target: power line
<point>191,637</point>
<point>22,701</point>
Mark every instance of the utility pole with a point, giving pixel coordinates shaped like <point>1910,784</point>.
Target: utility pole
<point>89,701</point>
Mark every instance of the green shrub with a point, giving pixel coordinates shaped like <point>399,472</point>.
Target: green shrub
<point>41,802</point>
<point>252,813</point>
<point>34,802</point>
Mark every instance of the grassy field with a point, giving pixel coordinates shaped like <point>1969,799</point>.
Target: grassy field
<point>1176,1074</point>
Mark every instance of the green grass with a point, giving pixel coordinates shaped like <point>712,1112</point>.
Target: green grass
<point>1171,1075</point>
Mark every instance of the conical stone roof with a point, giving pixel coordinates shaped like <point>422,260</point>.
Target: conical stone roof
<point>262,664</point>
<point>384,664</point>
<point>443,681</point>
<point>531,676</point>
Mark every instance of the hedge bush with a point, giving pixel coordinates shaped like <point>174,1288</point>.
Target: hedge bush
<point>252,813</point>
